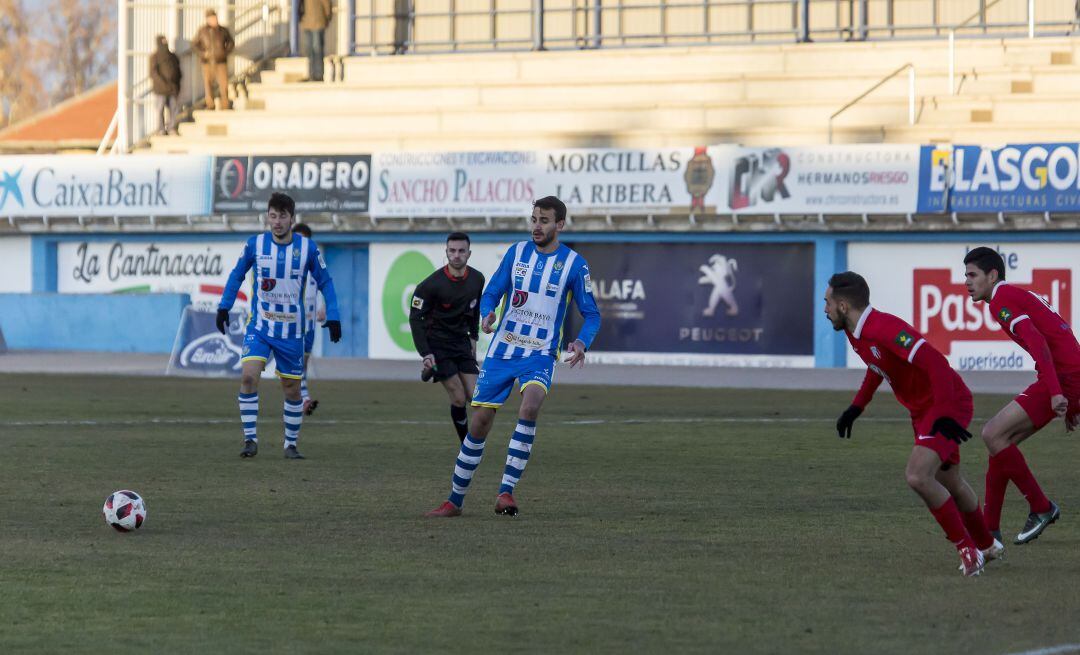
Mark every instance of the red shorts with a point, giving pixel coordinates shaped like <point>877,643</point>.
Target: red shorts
<point>1035,400</point>
<point>947,449</point>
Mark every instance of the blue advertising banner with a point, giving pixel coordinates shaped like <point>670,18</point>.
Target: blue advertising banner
<point>200,350</point>
<point>1036,177</point>
<point>703,303</point>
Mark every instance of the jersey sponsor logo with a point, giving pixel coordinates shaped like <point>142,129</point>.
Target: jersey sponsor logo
<point>588,283</point>
<point>553,288</point>
<point>280,317</point>
<point>417,302</point>
<point>524,341</point>
<point>875,352</point>
<point>905,340</point>
<point>521,269</point>
<point>944,313</point>
<point>1005,315</point>
<point>520,298</point>
<point>268,284</point>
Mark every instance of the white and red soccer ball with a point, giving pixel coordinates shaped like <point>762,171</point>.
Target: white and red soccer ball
<point>124,510</point>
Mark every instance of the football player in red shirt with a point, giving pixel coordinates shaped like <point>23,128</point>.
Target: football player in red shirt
<point>939,403</point>
<point>1038,329</point>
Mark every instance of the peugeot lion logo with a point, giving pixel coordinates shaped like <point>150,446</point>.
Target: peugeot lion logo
<point>720,273</point>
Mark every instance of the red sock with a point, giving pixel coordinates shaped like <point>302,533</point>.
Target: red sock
<point>1015,466</point>
<point>948,516</point>
<point>976,527</point>
<point>996,484</point>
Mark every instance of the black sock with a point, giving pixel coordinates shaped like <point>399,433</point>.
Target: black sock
<point>461,421</point>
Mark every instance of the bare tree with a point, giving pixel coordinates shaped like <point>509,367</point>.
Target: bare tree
<point>80,40</point>
<point>22,92</point>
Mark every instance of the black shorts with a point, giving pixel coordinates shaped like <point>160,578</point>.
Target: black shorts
<point>453,357</point>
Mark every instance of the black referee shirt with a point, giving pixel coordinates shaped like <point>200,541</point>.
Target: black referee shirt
<point>445,308</point>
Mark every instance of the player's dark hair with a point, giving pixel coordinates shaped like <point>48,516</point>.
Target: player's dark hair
<point>459,236</point>
<point>986,260</point>
<point>851,287</point>
<point>551,202</point>
<point>282,202</point>
<point>302,228</point>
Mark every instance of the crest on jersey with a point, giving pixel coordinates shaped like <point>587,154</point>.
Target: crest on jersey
<point>558,265</point>
<point>417,302</point>
<point>1004,315</point>
<point>905,340</point>
<point>268,284</point>
<point>520,298</point>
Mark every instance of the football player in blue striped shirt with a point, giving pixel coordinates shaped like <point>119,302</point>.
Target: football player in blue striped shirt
<point>535,283</point>
<point>282,261</point>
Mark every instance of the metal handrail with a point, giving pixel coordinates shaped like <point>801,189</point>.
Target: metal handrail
<point>981,13</point>
<point>911,95</point>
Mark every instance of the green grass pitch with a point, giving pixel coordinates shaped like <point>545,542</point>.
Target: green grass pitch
<point>652,520</point>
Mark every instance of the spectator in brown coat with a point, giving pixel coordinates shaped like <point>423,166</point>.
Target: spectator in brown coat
<point>314,17</point>
<point>165,78</point>
<point>214,45</point>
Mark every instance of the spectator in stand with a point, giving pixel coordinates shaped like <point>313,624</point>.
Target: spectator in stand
<point>165,79</point>
<point>402,14</point>
<point>214,44</point>
<point>315,15</point>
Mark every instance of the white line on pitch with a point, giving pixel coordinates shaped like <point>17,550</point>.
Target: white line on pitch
<point>1052,650</point>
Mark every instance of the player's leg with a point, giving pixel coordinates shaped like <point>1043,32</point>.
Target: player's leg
<point>493,387</point>
<point>448,377</point>
<point>1017,421</point>
<point>256,352</point>
<point>967,501</point>
<point>305,396</point>
<point>921,474</point>
<point>535,384</point>
<point>289,354</point>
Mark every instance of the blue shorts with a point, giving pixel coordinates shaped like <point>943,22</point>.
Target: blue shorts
<point>498,375</point>
<point>288,353</point>
<point>309,341</point>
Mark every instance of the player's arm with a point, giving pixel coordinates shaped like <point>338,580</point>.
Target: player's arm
<point>497,287</point>
<point>1035,343</point>
<point>321,275</point>
<point>928,359</point>
<point>474,318</point>
<point>586,304</point>
<point>419,311</point>
<point>232,287</point>
<point>871,381</point>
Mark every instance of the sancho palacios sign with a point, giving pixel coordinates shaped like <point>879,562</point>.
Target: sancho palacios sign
<point>318,183</point>
<point>87,185</point>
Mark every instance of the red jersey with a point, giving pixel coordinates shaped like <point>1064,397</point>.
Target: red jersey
<point>889,346</point>
<point>1013,307</point>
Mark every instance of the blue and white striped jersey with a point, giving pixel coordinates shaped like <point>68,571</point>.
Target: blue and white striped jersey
<point>281,273</point>
<point>535,289</point>
<point>311,295</point>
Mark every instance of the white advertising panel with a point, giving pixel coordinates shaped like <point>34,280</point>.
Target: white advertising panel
<point>820,180</point>
<point>88,185</point>
<point>200,269</point>
<point>924,285</point>
<point>506,183</point>
<point>396,269</point>
<point>15,272</point>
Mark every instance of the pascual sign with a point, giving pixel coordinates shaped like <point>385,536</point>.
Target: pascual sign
<point>94,186</point>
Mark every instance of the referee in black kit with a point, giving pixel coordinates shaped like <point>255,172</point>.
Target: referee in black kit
<point>445,322</point>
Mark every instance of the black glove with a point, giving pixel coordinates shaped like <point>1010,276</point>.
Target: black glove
<point>335,330</point>
<point>846,420</point>
<point>222,320</point>
<point>950,429</point>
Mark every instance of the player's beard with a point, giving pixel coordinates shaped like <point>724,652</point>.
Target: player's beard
<point>543,242</point>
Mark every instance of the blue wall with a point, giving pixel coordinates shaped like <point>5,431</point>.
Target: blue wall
<point>347,257</point>
<point>99,322</point>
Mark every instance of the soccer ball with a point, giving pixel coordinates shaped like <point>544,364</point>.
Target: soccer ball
<point>124,510</point>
